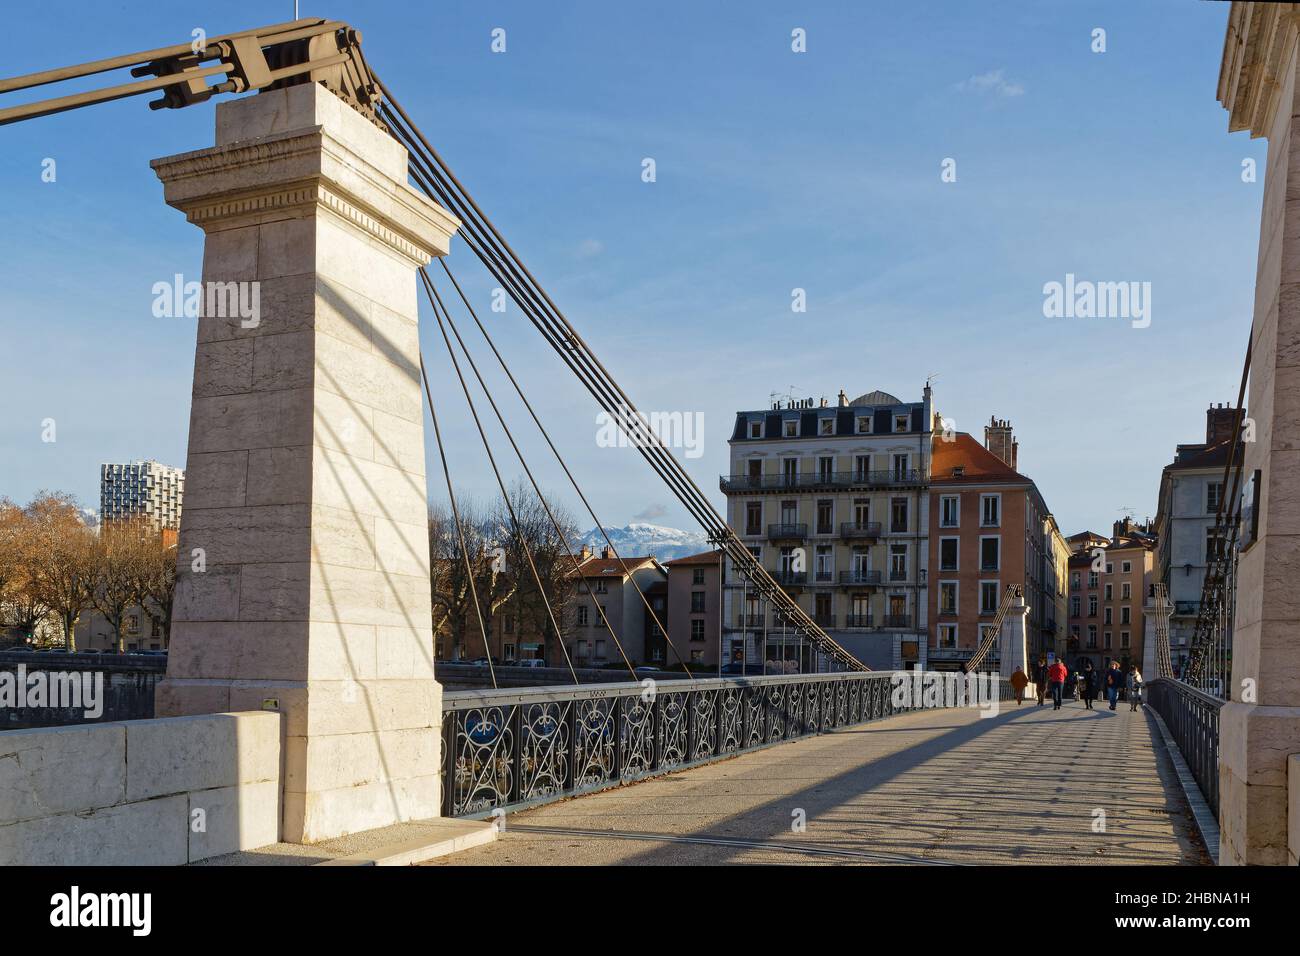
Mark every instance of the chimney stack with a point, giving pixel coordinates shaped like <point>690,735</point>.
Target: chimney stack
<point>1220,423</point>
<point>607,553</point>
<point>844,399</point>
<point>999,440</point>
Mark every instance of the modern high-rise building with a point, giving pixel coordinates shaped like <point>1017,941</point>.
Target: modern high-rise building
<point>832,500</point>
<point>141,488</point>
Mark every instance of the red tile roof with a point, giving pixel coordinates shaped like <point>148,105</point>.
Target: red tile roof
<point>597,567</point>
<point>978,464</point>
<point>704,557</point>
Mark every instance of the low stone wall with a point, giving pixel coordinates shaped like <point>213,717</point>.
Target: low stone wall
<point>151,792</point>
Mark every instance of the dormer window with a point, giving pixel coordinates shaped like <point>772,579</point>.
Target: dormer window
<point>825,426</point>
<point>790,428</point>
<point>864,425</point>
<point>756,429</point>
<point>902,422</point>
<point>958,470</point>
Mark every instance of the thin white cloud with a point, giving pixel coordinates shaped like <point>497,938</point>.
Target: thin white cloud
<point>589,248</point>
<point>651,513</point>
<point>992,83</point>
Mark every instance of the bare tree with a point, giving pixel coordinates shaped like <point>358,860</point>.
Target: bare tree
<point>460,575</point>
<point>154,579</point>
<point>119,553</point>
<point>531,533</point>
<point>60,559</point>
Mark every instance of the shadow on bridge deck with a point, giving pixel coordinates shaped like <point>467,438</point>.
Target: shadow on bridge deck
<point>1027,786</point>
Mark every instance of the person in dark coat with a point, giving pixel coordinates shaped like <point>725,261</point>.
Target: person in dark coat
<point>1040,678</point>
<point>1088,685</point>
<point>1114,683</point>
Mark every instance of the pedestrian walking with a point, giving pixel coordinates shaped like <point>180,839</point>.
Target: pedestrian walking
<point>1040,678</point>
<point>1056,681</point>
<point>1088,685</point>
<point>1133,687</point>
<point>1019,681</point>
<point>1114,683</point>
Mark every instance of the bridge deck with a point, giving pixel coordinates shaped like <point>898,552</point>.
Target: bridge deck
<point>932,787</point>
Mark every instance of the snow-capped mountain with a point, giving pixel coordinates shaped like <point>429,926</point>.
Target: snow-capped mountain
<point>638,539</point>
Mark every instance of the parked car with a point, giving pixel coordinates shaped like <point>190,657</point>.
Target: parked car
<point>531,662</point>
<point>737,669</point>
<point>483,662</point>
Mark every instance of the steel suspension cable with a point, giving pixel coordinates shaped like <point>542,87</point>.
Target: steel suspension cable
<point>542,311</point>
<point>430,288</point>
<point>460,531</point>
<point>505,495</point>
<point>559,458</point>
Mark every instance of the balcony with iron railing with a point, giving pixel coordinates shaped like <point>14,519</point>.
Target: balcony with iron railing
<point>823,579</point>
<point>859,578</point>
<point>749,622</point>
<point>858,621</point>
<point>898,574</point>
<point>790,579</point>
<point>865,529</point>
<point>786,532</point>
<point>823,481</point>
<point>824,620</point>
<point>897,620</point>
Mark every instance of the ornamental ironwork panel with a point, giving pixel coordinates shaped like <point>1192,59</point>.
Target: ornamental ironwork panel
<point>593,759</point>
<point>543,749</point>
<point>704,724</point>
<point>636,737</point>
<point>775,707</point>
<point>730,719</point>
<point>674,729</point>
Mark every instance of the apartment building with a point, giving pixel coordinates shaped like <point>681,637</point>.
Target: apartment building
<point>614,585</point>
<point>832,499</point>
<point>694,606</point>
<point>989,528</point>
<point>1109,581</point>
<point>141,488</point>
<point>1191,490</point>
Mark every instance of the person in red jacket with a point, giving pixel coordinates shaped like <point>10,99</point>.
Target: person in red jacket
<point>1056,675</point>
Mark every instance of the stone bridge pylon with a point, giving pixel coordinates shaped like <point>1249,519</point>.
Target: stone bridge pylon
<point>303,561</point>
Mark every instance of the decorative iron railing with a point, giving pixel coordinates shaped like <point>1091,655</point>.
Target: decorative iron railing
<point>1192,717</point>
<point>515,747</point>
<point>894,478</point>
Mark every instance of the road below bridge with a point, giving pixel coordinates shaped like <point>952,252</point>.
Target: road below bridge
<point>1028,786</point>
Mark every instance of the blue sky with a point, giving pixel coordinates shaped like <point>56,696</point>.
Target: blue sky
<point>775,170</point>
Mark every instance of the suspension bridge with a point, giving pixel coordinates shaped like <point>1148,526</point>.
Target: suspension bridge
<point>307,493</point>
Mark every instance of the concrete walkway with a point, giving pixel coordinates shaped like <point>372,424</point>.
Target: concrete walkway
<point>939,787</point>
